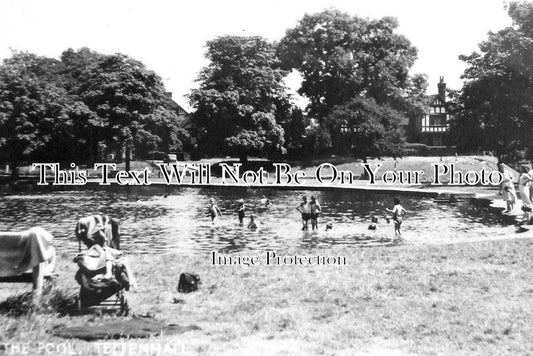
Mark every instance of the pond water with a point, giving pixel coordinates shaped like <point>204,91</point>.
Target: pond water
<point>157,220</point>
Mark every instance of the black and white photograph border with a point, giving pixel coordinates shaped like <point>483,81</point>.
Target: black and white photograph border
<point>266,177</point>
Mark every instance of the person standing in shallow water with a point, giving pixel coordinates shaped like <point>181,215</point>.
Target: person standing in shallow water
<point>214,211</point>
<point>305,209</point>
<point>240,211</point>
<point>265,202</point>
<point>315,212</point>
<point>397,216</point>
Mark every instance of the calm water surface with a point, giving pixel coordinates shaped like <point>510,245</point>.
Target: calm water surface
<point>156,220</point>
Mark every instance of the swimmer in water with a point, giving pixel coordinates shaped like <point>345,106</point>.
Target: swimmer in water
<point>373,225</point>
<point>252,225</point>
<point>265,201</point>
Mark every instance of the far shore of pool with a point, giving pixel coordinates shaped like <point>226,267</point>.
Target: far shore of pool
<point>485,195</point>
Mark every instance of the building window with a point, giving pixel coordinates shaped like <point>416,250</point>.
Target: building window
<point>437,120</point>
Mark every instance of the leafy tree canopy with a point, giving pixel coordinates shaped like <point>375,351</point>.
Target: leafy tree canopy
<point>84,102</point>
<point>342,57</point>
<point>241,101</point>
<point>345,59</point>
<point>128,99</point>
<point>494,109</point>
<point>32,108</point>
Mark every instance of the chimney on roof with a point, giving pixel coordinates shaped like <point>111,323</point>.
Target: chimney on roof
<point>442,89</point>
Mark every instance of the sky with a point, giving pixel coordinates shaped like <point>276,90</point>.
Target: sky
<point>169,36</point>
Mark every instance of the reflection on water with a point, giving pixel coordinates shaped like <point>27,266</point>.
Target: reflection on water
<point>155,220</point>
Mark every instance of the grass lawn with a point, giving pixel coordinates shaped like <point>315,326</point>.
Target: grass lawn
<point>468,298</point>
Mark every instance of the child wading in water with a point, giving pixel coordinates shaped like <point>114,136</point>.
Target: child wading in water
<point>397,216</point>
<point>305,209</point>
<point>264,201</point>
<point>214,211</point>
<point>240,211</point>
<point>315,212</point>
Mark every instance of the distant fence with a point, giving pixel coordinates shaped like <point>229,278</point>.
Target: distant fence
<point>419,149</point>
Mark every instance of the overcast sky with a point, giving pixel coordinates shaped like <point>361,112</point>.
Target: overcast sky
<point>169,36</point>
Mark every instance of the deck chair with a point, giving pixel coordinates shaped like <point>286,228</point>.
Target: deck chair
<point>97,295</point>
<point>102,295</point>
<point>28,257</point>
<point>101,292</point>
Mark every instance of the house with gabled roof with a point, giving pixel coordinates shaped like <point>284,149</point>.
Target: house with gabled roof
<point>184,119</point>
<point>433,128</point>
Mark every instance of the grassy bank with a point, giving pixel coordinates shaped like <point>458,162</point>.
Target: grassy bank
<point>408,163</point>
<point>454,299</point>
<point>412,163</point>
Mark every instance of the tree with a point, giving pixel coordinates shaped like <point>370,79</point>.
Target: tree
<point>130,103</point>
<point>69,110</point>
<point>343,57</point>
<point>294,130</point>
<point>241,99</point>
<point>368,130</point>
<point>31,109</point>
<point>75,65</point>
<point>494,109</point>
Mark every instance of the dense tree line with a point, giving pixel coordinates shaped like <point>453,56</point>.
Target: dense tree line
<point>355,74</point>
<point>82,106</point>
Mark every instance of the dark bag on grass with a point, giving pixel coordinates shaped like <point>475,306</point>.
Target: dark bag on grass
<point>188,282</point>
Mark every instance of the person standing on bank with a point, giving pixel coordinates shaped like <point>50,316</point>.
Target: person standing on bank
<point>315,212</point>
<point>530,185</point>
<point>524,183</point>
<point>507,188</point>
<point>305,209</point>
